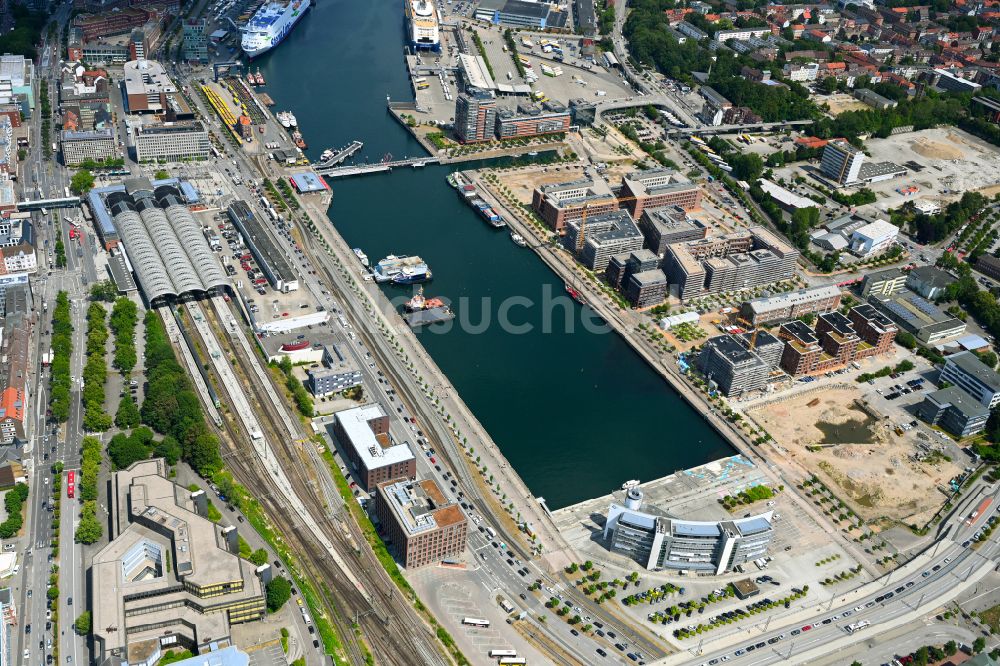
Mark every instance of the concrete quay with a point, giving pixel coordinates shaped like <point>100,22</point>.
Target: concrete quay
<point>624,323</point>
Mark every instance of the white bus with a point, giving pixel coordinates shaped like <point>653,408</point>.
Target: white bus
<point>475,622</point>
<point>490,533</point>
<point>857,626</point>
<point>512,660</point>
<point>503,653</point>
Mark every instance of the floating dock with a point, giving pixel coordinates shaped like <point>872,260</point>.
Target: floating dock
<point>341,155</point>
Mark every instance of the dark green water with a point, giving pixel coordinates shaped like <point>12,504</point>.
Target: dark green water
<point>577,413</point>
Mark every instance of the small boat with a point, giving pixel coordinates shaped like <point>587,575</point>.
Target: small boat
<point>295,346</point>
<point>518,239</point>
<point>533,153</point>
<point>327,155</point>
<point>359,253</point>
<point>630,484</point>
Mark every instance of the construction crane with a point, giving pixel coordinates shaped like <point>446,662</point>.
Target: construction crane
<point>749,325</point>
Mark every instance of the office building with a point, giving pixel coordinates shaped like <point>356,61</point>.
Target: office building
<point>918,316</point>
<point>873,238</point>
<point>522,14</point>
<point>271,262</point>
<point>646,288</point>
<point>954,410</point>
<point>715,106</point>
<point>659,543</point>
<point>727,364</point>
<point>423,526</point>
<point>887,282</point>
<point>929,281</point>
<point>622,266</point>
<point>106,24</point>
<point>15,344</point>
<point>475,116</point>
<point>146,88</point>
<point>604,235</point>
<point>841,161</point>
<point>559,203</point>
<point>363,432</point>
<point>668,225</point>
<point>169,576</point>
<point>530,121</point>
<point>88,145</point>
<point>171,141</point>
<point>740,260</point>
<point>790,305</point>
<point>195,40</point>
<point>656,188</point>
<point>965,370</point>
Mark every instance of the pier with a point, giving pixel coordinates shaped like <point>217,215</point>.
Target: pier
<point>340,156</point>
<point>361,169</point>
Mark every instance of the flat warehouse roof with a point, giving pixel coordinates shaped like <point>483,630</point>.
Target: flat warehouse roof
<point>308,182</point>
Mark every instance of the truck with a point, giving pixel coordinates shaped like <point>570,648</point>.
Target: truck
<point>506,605</point>
<point>979,512</point>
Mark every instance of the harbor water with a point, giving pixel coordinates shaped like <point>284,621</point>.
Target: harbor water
<point>576,412</point>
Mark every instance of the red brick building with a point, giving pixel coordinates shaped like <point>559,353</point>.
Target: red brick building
<point>422,525</point>
<point>363,432</point>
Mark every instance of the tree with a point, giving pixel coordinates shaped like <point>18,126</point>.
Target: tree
<point>126,450</point>
<point>950,648</point>
<point>127,415</point>
<point>82,624</point>
<point>89,529</point>
<point>82,182</point>
<point>105,290</point>
<point>829,85</point>
<point>162,174</point>
<point>279,590</point>
<point>979,645</point>
<point>258,557</point>
<point>169,449</point>
<point>906,339</point>
<point>988,358</point>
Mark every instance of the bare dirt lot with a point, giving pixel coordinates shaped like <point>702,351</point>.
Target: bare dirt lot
<point>841,102</point>
<point>856,454</point>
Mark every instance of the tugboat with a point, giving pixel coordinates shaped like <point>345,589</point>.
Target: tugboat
<point>419,302</point>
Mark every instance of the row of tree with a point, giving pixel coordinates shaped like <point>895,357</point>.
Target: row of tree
<point>13,502</point>
<point>90,468</point>
<point>124,317</point>
<point>95,371</point>
<point>62,348</point>
<point>932,228</point>
<point>171,406</point>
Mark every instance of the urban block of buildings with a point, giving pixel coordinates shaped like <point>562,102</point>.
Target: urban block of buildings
<point>15,347</point>
<point>87,145</point>
<point>337,374</point>
<point>423,526</point>
<point>740,260</point>
<point>171,141</point>
<point>836,341</point>
<point>658,542</point>
<point>664,226</point>
<point>364,434</point>
<point>771,309</point>
<point>638,276</point>
<point>737,365</point>
<point>169,576</point>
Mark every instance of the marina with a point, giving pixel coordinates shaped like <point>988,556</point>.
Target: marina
<point>330,158</point>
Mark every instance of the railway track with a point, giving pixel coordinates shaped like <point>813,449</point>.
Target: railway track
<point>387,621</point>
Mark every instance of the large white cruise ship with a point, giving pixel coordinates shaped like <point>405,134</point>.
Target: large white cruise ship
<point>271,24</point>
<point>422,23</point>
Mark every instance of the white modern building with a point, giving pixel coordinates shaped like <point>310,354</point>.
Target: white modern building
<point>842,162</point>
<point>701,547</point>
<point>973,376</point>
<point>873,238</point>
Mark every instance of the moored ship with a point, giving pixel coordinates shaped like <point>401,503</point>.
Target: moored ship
<point>488,213</point>
<point>391,269</point>
<point>422,24</point>
<point>362,257</point>
<point>271,24</point>
<point>518,239</point>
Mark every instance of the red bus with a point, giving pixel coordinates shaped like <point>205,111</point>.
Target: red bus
<point>70,484</point>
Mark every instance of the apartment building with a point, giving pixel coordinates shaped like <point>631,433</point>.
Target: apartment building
<point>559,203</point>
<point>604,235</point>
<point>733,368</point>
<point>770,309</point>
<point>171,141</point>
<point>93,145</point>
<point>363,432</point>
<point>887,282</point>
<point>965,370</point>
<point>740,260</point>
<point>622,266</point>
<point>423,526</point>
<point>646,288</point>
<point>16,349</point>
<point>169,576</point>
<point>836,341</point>
<point>656,188</point>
